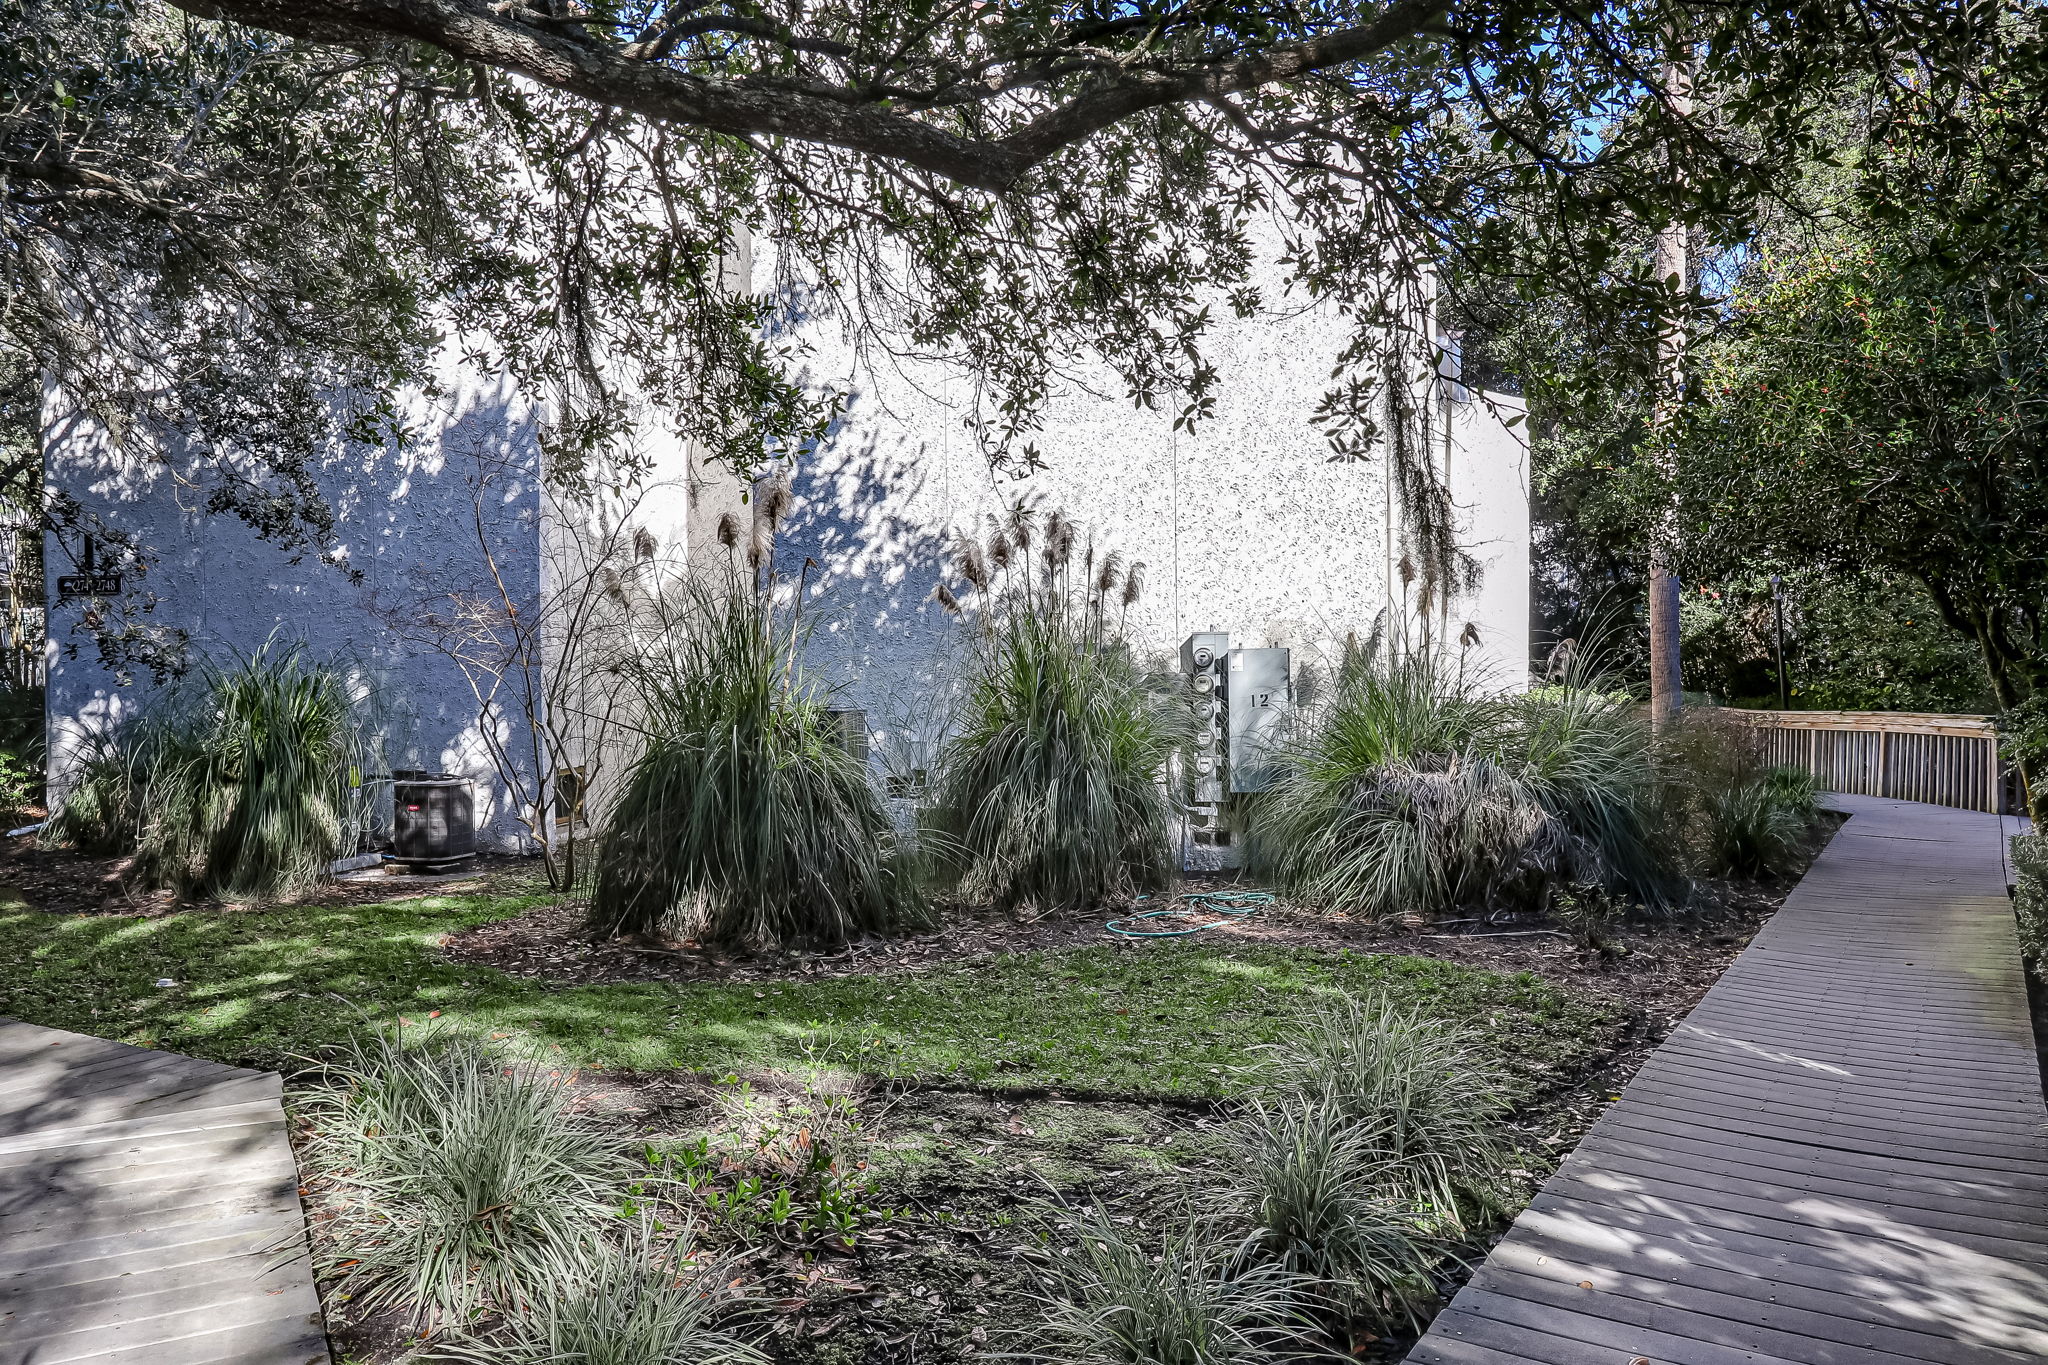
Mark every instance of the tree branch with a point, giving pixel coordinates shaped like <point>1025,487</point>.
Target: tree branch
<point>63,175</point>
<point>583,65</point>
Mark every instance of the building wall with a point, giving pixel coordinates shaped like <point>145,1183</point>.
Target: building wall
<point>458,512</point>
<point>1487,468</point>
<point>1243,526</point>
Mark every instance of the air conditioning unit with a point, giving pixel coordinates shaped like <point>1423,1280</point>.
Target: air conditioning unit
<point>433,820</point>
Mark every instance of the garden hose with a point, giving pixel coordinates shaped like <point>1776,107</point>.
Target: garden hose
<point>1231,905</point>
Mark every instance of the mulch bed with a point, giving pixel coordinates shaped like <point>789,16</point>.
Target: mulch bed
<point>62,881</point>
<point>912,1293</point>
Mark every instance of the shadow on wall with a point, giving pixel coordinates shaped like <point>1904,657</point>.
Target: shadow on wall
<point>453,516</point>
<point>876,630</point>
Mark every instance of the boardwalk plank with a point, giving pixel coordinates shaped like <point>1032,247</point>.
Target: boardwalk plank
<point>1760,1317</point>
<point>1839,1157</point>
<point>147,1204</point>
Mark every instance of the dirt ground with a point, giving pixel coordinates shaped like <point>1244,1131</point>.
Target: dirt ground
<point>64,882</point>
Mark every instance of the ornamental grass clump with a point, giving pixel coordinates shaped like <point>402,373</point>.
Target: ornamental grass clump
<point>644,1298</point>
<point>1587,756</point>
<point>745,820</point>
<point>1049,794</point>
<point>1323,1202</point>
<point>1114,1298</point>
<point>1427,1101</point>
<point>1742,816</point>
<point>1409,791</point>
<point>239,785</point>
<point>453,1181</point>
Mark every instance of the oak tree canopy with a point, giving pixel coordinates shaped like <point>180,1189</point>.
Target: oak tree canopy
<point>239,231</point>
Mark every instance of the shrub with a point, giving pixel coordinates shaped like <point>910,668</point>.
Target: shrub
<point>1588,759</point>
<point>1759,827</point>
<point>21,747</point>
<point>2030,890</point>
<point>455,1181</point>
<point>1406,791</point>
<point>2023,741</point>
<point>101,813</point>
<point>1309,1180</point>
<point>237,786</point>
<point>1427,1098</point>
<point>1113,1300</point>
<point>641,1299</point>
<point>1050,794</point>
<point>1738,816</point>
<point>745,820</point>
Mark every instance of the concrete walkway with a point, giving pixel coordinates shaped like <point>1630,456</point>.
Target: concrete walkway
<point>148,1203</point>
<point>1839,1158</point>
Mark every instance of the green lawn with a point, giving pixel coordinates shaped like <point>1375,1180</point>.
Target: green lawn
<point>1167,1018</point>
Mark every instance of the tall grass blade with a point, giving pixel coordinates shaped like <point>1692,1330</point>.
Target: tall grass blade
<point>641,1299</point>
<point>1323,1202</point>
<point>1110,1299</point>
<point>1050,794</point>
<point>1427,1098</point>
<point>1406,791</point>
<point>236,784</point>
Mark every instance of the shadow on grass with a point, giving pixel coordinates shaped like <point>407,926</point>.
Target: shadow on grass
<point>272,987</point>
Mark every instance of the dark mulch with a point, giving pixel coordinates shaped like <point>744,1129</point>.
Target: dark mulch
<point>68,883</point>
<point>63,881</point>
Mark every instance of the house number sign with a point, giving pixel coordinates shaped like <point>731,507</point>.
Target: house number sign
<point>89,585</point>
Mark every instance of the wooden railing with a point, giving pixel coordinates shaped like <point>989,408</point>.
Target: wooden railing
<point>1909,755</point>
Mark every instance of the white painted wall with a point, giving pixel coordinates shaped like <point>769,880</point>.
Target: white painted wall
<point>413,525</point>
<point>1244,525</point>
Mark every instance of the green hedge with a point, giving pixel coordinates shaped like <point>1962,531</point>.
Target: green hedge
<point>2030,874</point>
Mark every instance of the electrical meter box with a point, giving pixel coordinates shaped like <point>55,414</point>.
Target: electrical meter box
<point>1204,652</point>
<point>1204,657</point>
<point>1258,696</point>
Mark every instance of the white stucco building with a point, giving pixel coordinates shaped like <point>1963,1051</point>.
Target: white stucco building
<point>1244,526</point>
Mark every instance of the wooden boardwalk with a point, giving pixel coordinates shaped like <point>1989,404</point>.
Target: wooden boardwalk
<point>1839,1158</point>
<point>147,1203</point>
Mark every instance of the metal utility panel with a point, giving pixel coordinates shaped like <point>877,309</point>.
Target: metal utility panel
<point>1203,651</point>
<point>1260,695</point>
<point>1202,658</point>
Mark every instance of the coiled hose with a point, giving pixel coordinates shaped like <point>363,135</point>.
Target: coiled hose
<point>1231,905</point>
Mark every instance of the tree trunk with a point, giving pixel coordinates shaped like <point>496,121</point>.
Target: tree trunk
<point>1664,663</point>
<point>1673,267</point>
